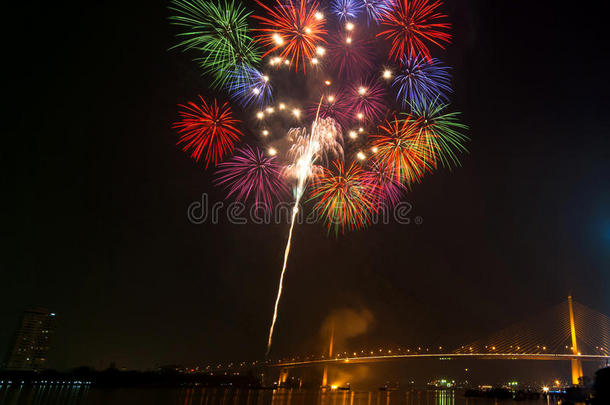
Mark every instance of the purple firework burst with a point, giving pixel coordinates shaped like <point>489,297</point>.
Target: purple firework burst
<point>250,172</point>
<point>367,99</point>
<point>351,56</point>
<point>390,189</point>
<point>334,105</point>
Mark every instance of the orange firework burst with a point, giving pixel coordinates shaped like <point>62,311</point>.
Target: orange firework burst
<point>295,27</point>
<point>345,197</point>
<point>402,148</point>
<point>207,129</point>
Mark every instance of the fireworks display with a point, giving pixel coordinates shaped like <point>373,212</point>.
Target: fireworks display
<point>389,189</point>
<point>315,96</point>
<point>344,196</point>
<point>334,105</point>
<point>346,10</point>
<point>219,34</point>
<point>420,80</point>
<point>351,57</point>
<point>374,9</point>
<point>293,27</point>
<point>207,130</point>
<point>248,87</point>
<point>249,172</point>
<point>411,25</point>
<point>442,130</point>
<point>324,139</point>
<point>368,100</point>
<point>403,151</point>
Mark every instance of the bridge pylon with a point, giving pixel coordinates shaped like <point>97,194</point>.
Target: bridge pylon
<point>576,363</point>
<point>283,378</point>
<point>330,355</point>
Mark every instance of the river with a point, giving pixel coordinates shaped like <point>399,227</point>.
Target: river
<point>85,395</point>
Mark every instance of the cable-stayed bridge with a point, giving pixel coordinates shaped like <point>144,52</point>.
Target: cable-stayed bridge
<point>568,331</point>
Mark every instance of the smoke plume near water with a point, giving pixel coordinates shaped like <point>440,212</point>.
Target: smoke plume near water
<point>343,324</point>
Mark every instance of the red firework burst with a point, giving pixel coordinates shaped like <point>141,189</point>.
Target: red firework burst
<point>351,56</point>
<point>208,130</point>
<point>412,23</point>
<point>295,27</point>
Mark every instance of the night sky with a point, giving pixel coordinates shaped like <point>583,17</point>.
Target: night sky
<point>95,195</point>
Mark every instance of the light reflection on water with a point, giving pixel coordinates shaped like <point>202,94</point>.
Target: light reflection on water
<point>43,394</point>
<point>83,395</point>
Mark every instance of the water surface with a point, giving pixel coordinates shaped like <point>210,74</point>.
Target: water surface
<point>85,395</point>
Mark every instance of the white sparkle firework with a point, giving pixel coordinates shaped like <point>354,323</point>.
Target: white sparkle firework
<point>324,140</point>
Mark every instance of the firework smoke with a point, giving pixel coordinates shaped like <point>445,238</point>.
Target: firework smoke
<point>344,324</point>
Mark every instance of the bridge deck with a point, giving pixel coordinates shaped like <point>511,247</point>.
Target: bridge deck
<point>447,356</point>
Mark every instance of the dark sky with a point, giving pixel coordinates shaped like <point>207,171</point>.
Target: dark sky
<point>95,194</point>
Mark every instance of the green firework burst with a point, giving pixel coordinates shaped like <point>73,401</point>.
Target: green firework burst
<point>442,131</point>
<point>219,31</point>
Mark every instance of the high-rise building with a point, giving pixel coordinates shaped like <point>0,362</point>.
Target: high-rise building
<point>32,340</point>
